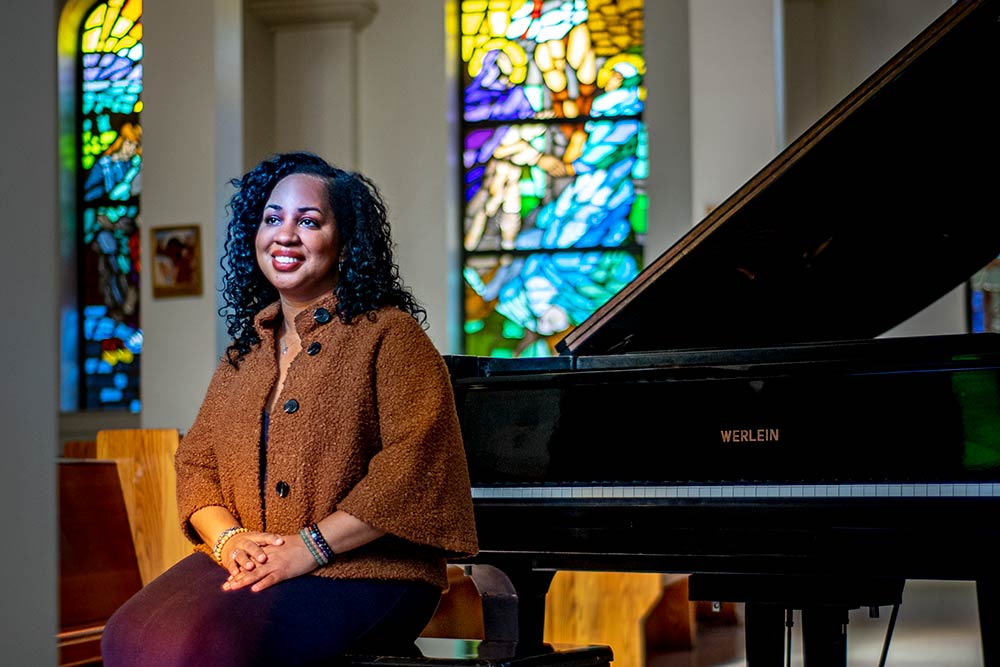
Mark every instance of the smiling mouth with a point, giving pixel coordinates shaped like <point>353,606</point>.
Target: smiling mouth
<point>285,260</point>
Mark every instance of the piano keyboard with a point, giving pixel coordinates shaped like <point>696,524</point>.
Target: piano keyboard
<point>887,490</point>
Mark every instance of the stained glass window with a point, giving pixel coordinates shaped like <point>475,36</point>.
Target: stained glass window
<point>555,165</point>
<point>109,338</point>
<point>984,301</point>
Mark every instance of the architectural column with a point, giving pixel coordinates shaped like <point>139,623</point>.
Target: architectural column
<point>29,340</point>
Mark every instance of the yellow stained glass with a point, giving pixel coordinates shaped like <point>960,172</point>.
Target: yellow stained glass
<point>109,28</point>
<point>90,40</point>
<point>96,18</point>
<point>471,23</point>
<point>518,59</point>
<point>498,22</point>
<point>132,10</point>
<point>108,23</point>
<point>121,27</point>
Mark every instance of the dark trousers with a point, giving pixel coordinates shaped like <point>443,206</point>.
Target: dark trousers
<point>184,619</point>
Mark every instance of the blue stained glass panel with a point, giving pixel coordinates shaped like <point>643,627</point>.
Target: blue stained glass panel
<point>984,299</point>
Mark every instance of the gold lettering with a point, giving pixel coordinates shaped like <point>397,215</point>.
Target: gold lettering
<point>750,435</point>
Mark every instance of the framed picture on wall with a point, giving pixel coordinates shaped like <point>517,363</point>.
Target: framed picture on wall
<point>177,261</point>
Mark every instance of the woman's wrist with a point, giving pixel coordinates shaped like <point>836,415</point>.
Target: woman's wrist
<point>317,545</point>
<point>320,542</point>
<point>224,537</point>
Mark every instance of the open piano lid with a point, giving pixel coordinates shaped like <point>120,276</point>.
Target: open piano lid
<point>880,208</point>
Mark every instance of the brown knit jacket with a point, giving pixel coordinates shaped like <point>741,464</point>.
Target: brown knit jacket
<point>365,423</point>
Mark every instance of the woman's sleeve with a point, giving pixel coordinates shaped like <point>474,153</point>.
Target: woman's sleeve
<point>417,487</point>
<point>195,462</point>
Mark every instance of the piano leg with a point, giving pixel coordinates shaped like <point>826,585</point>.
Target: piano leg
<point>988,596</point>
<point>824,636</point>
<point>824,601</point>
<point>764,631</point>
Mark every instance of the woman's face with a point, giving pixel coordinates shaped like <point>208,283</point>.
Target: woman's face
<point>297,244</point>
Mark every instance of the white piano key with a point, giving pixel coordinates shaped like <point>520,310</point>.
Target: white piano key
<point>750,491</point>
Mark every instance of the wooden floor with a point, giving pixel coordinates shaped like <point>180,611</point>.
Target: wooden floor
<point>937,626</point>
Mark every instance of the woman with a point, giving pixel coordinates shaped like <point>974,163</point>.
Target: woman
<point>324,480</point>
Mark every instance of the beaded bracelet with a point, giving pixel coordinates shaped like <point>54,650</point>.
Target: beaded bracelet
<point>224,537</point>
<point>312,549</point>
<point>321,543</point>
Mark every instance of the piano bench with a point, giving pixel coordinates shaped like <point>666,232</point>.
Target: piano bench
<point>445,652</point>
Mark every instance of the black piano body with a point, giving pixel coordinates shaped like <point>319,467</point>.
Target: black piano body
<point>734,412</point>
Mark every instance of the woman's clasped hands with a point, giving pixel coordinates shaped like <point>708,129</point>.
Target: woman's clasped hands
<point>260,560</point>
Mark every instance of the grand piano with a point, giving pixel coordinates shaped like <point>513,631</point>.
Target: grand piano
<point>737,414</point>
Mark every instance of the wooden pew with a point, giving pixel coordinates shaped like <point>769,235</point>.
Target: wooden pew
<point>119,529</point>
<point>145,460</point>
<point>98,569</point>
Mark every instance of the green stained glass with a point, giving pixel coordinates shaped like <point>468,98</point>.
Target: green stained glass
<point>637,216</point>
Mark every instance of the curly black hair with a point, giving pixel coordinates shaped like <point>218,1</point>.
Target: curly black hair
<point>369,276</point>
